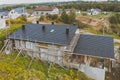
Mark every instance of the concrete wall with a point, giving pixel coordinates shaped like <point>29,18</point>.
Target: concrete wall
<point>95,73</point>
<point>52,53</point>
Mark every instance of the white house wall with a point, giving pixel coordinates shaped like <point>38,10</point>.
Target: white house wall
<point>51,54</point>
<point>13,14</point>
<point>2,23</point>
<point>2,16</point>
<point>43,54</point>
<point>39,13</point>
<point>55,11</point>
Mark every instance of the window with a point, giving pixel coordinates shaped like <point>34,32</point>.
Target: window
<point>12,12</point>
<point>46,13</point>
<point>42,12</point>
<point>1,17</point>
<point>29,45</point>
<point>37,13</point>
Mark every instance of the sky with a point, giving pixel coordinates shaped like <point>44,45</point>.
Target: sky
<point>36,1</point>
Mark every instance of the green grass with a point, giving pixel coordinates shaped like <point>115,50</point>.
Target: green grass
<point>98,32</point>
<point>91,30</point>
<point>117,44</point>
<point>18,70</point>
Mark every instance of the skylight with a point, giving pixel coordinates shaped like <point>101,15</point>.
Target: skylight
<point>52,30</point>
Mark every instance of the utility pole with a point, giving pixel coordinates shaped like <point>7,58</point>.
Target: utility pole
<point>9,24</point>
<point>103,30</point>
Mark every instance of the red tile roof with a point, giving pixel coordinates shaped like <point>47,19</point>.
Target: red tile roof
<point>44,8</point>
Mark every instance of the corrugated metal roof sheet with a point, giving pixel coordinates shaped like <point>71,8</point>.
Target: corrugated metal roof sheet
<point>92,45</point>
<point>54,34</point>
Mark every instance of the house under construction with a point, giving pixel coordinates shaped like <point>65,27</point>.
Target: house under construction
<point>64,45</point>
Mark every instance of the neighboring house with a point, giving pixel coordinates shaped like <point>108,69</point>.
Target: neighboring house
<point>63,44</point>
<point>3,14</point>
<point>2,23</point>
<point>77,12</point>
<point>93,11</point>
<point>45,10</point>
<point>17,12</point>
<point>68,11</point>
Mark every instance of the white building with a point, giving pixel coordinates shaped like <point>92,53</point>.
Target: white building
<point>68,11</point>
<point>45,10</point>
<point>78,12</point>
<point>17,12</point>
<point>2,23</point>
<point>93,11</point>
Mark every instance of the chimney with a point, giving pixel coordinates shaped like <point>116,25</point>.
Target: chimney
<point>67,30</point>
<point>23,27</point>
<point>74,24</point>
<point>43,27</point>
<point>52,23</point>
<point>37,22</point>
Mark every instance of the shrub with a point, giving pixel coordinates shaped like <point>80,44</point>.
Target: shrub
<point>115,19</point>
<point>52,17</point>
<point>68,18</point>
<point>41,18</point>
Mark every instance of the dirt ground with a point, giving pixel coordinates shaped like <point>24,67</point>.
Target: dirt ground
<point>96,23</point>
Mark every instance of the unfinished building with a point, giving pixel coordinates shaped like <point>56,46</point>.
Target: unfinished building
<point>64,45</point>
<point>45,41</point>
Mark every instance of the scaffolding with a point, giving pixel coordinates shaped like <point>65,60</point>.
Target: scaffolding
<point>5,46</point>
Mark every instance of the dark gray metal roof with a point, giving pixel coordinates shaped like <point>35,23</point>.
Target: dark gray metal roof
<point>54,34</point>
<point>93,45</point>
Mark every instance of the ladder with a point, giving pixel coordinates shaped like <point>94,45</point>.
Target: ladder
<point>18,54</point>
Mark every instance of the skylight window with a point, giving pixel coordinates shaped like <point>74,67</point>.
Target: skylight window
<point>52,30</point>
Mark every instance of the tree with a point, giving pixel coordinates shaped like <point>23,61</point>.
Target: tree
<point>68,18</point>
<point>24,18</point>
<point>52,17</point>
<point>115,19</point>
<point>115,23</point>
<point>41,18</point>
<point>64,17</point>
<point>72,16</point>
